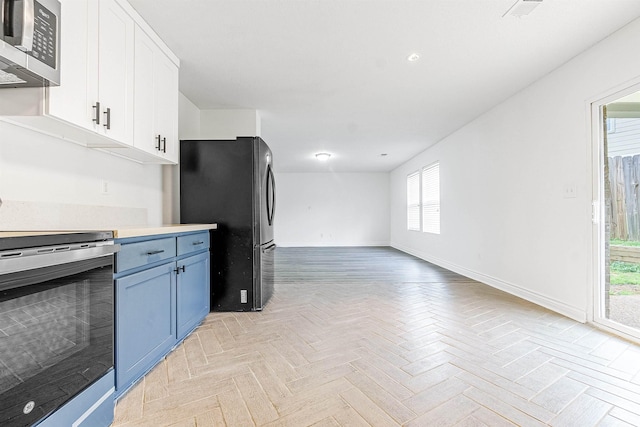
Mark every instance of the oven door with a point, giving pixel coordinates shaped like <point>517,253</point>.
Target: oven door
<point>56,328</point>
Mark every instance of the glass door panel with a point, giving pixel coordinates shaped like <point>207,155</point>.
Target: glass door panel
<point>618,299</point>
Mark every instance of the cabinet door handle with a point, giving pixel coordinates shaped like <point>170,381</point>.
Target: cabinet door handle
<point>198,243</point>
<point>155,252</point>
<point>177,270</point>
<point>158,147</point>
<point>164,145</point>
<point>108,114</point>
<point>96,117</point>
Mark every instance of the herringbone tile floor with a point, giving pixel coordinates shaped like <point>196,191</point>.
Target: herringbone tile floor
<point>372,336</point>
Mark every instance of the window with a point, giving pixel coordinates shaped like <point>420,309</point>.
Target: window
<point>423,199</point>
<point>413,201</point>
<point>431,199</point>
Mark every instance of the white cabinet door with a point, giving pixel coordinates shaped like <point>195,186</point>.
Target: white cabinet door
<point>156,99</point>
<point>70,101</point>
<point>115,71</point>
<point>145,135</point>
<point>166,106</point>
<point>96,90</point>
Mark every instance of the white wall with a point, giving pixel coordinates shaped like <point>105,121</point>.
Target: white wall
<point>188,119</point>
<point>332,209</point>
<point>228,124</point>
<point>188,128</point>
<point>505,220</point>
<point>46,171</point>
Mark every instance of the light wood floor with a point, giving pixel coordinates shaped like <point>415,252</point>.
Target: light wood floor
<point>371,336</point>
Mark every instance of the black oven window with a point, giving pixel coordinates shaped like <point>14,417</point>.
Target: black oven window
<point>56,337</point>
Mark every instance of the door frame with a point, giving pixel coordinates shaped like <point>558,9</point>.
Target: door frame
<point>596,291</point>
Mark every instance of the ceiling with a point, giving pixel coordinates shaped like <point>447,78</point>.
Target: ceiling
<point>333,75</point>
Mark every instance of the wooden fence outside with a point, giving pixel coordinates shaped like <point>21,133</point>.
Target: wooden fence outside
<point>624,212</point>
<point>625,253</point>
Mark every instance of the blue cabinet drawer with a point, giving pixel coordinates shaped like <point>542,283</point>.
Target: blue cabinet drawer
<point>139,254</point>
<point>192,243</point>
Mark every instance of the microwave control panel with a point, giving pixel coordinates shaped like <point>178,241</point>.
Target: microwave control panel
<point>45,31</point>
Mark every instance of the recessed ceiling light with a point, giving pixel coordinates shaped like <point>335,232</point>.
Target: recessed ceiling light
<point>323,157</point>
<point>413,57</point>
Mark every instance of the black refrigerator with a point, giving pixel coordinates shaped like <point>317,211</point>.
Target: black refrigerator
<point>231,183</point>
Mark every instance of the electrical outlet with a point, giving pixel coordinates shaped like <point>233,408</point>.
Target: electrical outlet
<point>104,186</point>
<point>243,296</point>
<point>570,191</point>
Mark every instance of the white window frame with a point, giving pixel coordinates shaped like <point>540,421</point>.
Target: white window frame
<point>430,198</point>
<point>413,201</point>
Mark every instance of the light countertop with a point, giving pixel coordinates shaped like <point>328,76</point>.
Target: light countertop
<point>121,232</point>
<point>137,231</point>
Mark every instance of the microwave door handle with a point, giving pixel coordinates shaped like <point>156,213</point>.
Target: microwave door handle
<point>19,29</point>
<point>28,16</point>
<point>6,15</point>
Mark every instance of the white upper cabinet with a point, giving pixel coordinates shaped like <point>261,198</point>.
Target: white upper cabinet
<point>70,101</point>
<point>96,92</point>
<point>115,73</point>
<point>118,88</point>
<point>155,99</point>
<point>166,106</point>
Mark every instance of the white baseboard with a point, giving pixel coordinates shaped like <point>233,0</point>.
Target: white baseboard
<point>327,244</point>
<point>534,297</point>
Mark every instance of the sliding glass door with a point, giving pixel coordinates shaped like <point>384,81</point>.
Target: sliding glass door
<point>616,133</point>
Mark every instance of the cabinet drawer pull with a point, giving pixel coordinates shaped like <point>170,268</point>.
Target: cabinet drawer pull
<point>158,147</point>
<point>155,252</point>
<point>96,118</point>
<point>177,270</point>
<point>164,145</point>
<point>198,243</point>
<point>108,114</point>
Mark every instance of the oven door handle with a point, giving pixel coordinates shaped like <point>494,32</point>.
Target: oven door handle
<point>22,262</point>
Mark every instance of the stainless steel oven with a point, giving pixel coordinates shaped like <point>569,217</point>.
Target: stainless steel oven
<point>56,321</point>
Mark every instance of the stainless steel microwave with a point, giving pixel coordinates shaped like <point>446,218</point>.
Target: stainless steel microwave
<point>29,43</point>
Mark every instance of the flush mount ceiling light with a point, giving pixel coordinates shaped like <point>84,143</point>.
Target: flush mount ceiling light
<point>522,8</point>
<point>413,57</point>
<point>323,157</point>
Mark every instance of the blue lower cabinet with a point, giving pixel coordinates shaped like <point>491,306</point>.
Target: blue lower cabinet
<point>160,298</point>
<point>91,408</point>
<point>145,321</point>
<point>192,292</point>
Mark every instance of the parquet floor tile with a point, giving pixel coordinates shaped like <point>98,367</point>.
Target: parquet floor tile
<point>375,337</point>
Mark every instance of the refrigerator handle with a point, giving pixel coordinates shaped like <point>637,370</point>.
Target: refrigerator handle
<point>271,195</point>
